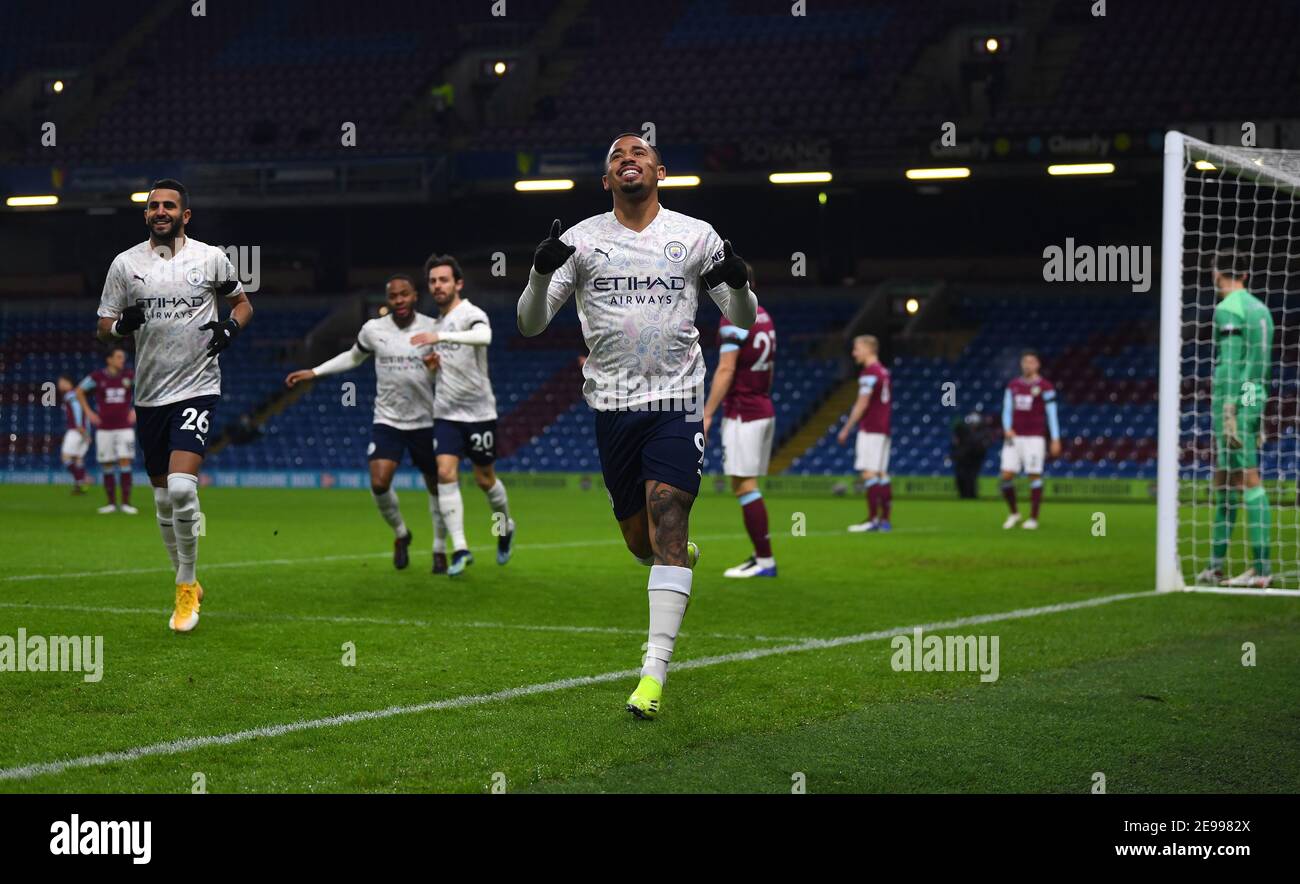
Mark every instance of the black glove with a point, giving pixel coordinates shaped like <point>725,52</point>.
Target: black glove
<point>552,252</point>
<point>131,319</point>
<point>731,269</point>
<point>226,287</point>
<point>222,334</point>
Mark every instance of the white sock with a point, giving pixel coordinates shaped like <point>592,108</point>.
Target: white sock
<point>439,526</point>
<point>496,496</point>
<point>183,489</point>
<point>453,513</point>
<point>389,509</point>
<point>670,590</point>
<point>162,503</point>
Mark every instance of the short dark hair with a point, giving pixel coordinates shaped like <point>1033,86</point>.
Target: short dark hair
<point>111,349</point>
<point>172,184</point>
<point>66,377</point>
<point>437,260</point>
<point>658,158</point>
<point>1232,263</point>
<point>410,280</point>
<point>1031,352</point>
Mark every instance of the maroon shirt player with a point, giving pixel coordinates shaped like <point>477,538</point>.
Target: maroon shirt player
<point>114,420</point>
<point>871,413</point>
<point>742,386</point>
<point>1028,417</point>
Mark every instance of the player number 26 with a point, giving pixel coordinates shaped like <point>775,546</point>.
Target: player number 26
<point>195,420</point>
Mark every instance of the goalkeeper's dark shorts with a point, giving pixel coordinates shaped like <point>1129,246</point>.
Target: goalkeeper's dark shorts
<point>1246,457</point>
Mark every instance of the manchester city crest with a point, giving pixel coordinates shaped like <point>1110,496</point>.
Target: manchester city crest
<point>675,252</point>
<point>194,276</point>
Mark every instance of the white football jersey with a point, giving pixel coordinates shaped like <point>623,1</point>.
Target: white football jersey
<point>462,389</point>
<point>637,296</point>
<point>403,383</point>
<point>178,296</point>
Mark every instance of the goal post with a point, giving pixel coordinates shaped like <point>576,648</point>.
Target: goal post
<point>1223,203</point>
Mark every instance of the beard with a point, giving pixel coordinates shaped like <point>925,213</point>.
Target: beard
<point>173,230</point>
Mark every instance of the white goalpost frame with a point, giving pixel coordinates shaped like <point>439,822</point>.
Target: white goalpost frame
<point>1169,576</point>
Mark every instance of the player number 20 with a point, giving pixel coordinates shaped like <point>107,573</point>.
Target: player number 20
<point>195,420</point>
<point>481,441</point>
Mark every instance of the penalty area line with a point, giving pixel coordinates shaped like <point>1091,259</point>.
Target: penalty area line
<point>347,620</point>
<point>310,560</point>
<point>189,744</point>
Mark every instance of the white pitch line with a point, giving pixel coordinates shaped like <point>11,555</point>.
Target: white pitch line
<point>257,563</point>
<point>383,621</point>
<point>174,747</point>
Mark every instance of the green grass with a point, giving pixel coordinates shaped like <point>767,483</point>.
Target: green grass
<point>1150,691</point>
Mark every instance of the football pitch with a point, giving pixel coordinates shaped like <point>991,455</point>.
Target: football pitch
<point>319,668</point>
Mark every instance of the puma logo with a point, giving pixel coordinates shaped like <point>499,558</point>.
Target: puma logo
<point>137,276</point>
<point>605,253</point>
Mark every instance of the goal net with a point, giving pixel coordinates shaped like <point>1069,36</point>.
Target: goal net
<point>1229,403</point>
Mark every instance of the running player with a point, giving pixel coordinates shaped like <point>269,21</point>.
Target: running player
<point>1243,360</point>
<point>114,423</point>
<point>742,386</point>
<point>164,292</point>
<point>638,272</point>
<point>871,412</point>
<point>1028,414</point>
<point>403,419</point>
<point>465,413</point>
<point>76,435</point>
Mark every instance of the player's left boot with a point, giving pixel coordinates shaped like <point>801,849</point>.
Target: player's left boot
<point>460,560</point>
<point>644,702</point>
<point>1248,579</point>
<point>128,509</point>
<point>401,551</point>
<point>186,615</point>
<point>107,508</point>
<point>884,527</point>
<point>750,568</point>
<point>506,545</point>
<point>1030,525</point>
<point>864,527</point>
<point>440,563</point>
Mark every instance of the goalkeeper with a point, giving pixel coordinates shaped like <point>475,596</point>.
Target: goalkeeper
<point>1243,352</point>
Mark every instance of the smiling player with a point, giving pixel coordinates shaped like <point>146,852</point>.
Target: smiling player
<point>638,272</point>
<point>164,293</point>
<point>465,413</point>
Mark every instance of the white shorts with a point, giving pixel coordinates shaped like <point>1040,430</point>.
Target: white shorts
<point>1024,453</point>
<point>115,445</point>
<point>74,445</point>
<point>872,453</point>
<point>747,446</point>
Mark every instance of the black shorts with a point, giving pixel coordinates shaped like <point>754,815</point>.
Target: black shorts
<point>476,440</point>
<point>388,443</point>
<point>639,446</point>
<point>180,426</point>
